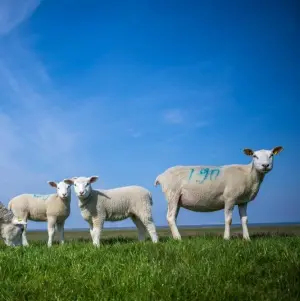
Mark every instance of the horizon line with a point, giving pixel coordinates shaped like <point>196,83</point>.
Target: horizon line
<point>296,223</point>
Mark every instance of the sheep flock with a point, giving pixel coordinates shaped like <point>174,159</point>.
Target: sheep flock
<point>196,187</point>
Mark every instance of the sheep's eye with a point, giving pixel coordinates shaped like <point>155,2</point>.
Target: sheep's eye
<point>254,156</point>
<point>86,185</point>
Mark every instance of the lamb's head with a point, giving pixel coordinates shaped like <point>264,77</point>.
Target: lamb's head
<point>11,228</point>
<point>263,159</point>
<point>63,189</point>
<point>82,185</point>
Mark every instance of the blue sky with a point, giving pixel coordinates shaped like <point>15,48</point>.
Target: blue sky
<point>126,91</point>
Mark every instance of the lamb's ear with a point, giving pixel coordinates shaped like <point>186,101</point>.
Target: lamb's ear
<point>276,150</point>
<point>93,179</point>
<point>69,181</point>
<point>248,151</point>
<point>52,184</point>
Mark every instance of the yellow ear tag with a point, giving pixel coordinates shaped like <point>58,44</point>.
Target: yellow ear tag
<point>20,220</point>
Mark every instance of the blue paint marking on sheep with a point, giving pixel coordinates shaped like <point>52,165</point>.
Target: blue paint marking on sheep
<point>191,173</point>
<point>211,173</point>
<point>41,196</point>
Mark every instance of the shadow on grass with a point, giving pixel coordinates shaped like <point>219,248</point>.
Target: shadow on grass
<point>235,236</point>
<point>164,239</point>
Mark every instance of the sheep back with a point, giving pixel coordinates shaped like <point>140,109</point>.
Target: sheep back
<point>118,203</point>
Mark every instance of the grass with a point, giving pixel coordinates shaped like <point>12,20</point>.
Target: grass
<point>198,268</point>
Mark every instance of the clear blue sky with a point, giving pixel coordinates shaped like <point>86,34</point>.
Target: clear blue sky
<point>124,91</point>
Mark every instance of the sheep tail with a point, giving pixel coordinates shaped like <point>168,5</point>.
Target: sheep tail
<point>157,181</point>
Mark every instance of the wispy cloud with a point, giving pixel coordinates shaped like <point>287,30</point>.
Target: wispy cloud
<point>134,133</point>
<point>39,135</point>
<point>175,116</point>
<point>14,12</point>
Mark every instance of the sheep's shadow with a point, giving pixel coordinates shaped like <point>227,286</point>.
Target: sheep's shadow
<point>254,235</point>
<point>115,240</point>
<point>163,239</point>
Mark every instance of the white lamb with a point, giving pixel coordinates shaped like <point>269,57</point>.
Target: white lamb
<point>114,205</point>
<point>11,228</point>
<point>53,208</point>
<point>211,188</point>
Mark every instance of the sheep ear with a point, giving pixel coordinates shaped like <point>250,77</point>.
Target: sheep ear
<point>52,184</point>
<point>248,151</point>
<point>93,179</point>
<point>69,181</point>
<point>276,150</point>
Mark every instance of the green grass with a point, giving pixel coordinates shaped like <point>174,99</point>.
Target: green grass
<point>197,268</point>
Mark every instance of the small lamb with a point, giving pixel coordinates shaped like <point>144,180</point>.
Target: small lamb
<point>53,208</point>
<point>211,188</point>
<point>114,205</point>
<point>11,228</point>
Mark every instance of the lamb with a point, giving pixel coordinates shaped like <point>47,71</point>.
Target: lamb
<point>11,228</point>
<point>53,208</point>
<point>211,188</point>
<point>114,205</point>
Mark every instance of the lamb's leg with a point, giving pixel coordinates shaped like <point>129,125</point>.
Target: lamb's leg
<point>97,228</point>
<point>173,209</point>
<point>151,230</point>
<point>51,230</point>
<point>91,230</point>
<point>60,228</point>
<point>244,220</point>
<point>140,226</point>
<point>24,236</point>
<point>147,223</point>
<point>228,219</point>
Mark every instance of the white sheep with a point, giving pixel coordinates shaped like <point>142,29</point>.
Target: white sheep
<point>11,228</point>
<point>114,205</point>
<point>53,208</point>
<point>211,188</point>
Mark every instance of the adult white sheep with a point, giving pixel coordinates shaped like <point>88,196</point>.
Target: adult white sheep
<point>11,228</point>
<point>114,205</point>
<point>53,208</point>
<point>211,188</point>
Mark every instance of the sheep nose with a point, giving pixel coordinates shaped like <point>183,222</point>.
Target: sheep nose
<point>265,165</point>
<point>81,192</point>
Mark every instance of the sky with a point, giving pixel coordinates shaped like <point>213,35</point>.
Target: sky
<point>124,91</point>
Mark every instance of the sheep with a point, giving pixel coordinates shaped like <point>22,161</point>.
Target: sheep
<point>11,227</point>
<point>114,205</point>
<point>211,188</point>
<point>53,208</point>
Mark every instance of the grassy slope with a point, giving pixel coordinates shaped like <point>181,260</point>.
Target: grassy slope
<point>198,268</point>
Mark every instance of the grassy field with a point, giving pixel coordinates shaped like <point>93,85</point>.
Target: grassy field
<point>200,267</point>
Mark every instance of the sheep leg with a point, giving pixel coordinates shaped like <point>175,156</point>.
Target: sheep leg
<point>91,230</point>
<point>140,226</point>
<point>151,230</point>
<point>173,209</point>
<point>60,228</point>
<point>228,219</point>
<point>244,220</point>
<point>51,230</point>
<point>24,236</point>
<point>97,229</point>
